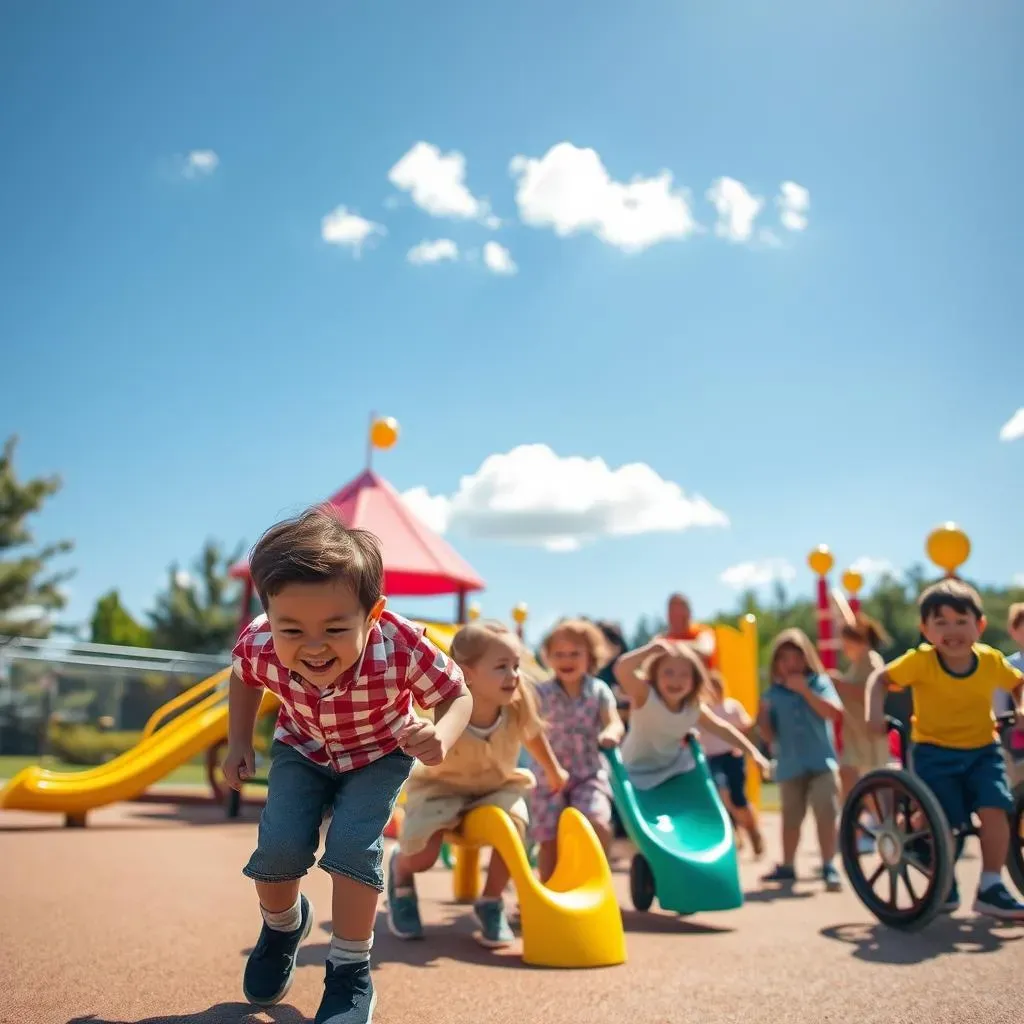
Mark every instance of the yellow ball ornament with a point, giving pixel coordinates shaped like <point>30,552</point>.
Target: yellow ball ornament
<point>820,560</point>
<point>384,432</point>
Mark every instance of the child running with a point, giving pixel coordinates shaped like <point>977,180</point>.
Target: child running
<point>797,716</point>
<point>480,769</point>
<point>726,762</point>
<point>346,672</point>
<point>581,717</point>
<point>956,751</point>
<point>666,682</point>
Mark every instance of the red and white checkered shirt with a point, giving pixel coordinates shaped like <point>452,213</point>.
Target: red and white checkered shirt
<point>355,720</point>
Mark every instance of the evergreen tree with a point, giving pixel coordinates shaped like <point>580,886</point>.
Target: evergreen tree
<point>199,612</point>
<point>112,624</point>
<point>30,591</point>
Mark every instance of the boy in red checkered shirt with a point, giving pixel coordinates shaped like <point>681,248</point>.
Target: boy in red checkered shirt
<point>346,672</point>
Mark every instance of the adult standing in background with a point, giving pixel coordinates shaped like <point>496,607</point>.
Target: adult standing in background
<point>682,627</point>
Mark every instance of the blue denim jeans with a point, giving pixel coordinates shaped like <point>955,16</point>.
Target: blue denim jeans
<point>299,794</point>
<point>964,780</point>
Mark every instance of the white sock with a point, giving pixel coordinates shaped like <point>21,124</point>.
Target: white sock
<point>989,878</point>
<point>286,920</point>
<point>349,951</point>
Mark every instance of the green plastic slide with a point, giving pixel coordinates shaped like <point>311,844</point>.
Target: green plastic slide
<point>687,851</point>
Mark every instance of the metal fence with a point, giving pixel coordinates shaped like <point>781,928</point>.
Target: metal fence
<point>87,702</point>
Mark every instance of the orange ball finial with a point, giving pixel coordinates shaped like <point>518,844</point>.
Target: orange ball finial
<point>948,547</point>
<point>519,613</point>
<point>384,432</point>
<point>473,612</point>
<point>820,560</point>
<point>852,581</point>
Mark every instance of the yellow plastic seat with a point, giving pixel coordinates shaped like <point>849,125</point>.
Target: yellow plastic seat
<point>573,921</point>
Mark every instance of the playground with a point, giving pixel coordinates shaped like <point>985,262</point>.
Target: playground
<point>144,917</point>
<point>129,893</point>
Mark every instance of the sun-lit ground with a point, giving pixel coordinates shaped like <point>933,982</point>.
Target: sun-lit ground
<point>144,916</point>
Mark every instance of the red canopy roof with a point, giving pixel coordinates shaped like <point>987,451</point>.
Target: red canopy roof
<point>417,562</point>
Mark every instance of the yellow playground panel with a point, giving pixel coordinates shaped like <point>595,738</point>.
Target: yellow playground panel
<point>737,661</point>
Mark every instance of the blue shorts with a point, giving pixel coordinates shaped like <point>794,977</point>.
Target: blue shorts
<point>730,774</point>
<point>964,781</point>
<point>299,794</point>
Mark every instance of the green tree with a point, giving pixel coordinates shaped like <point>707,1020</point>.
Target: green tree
<point>198,612</point>
<point>112,624</point>
<point>29,591</point>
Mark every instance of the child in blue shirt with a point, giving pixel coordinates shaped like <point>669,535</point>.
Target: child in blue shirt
<point>797,718</point>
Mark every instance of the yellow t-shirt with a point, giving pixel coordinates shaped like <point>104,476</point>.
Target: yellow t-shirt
<point>953,710</point>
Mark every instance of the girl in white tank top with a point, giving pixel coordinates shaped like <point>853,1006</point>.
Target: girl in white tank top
<point>665,681</point>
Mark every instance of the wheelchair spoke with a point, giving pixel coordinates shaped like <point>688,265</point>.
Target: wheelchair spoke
<point>925,869</point>
<point>876,876</point>
<point>905,875</point>
<point>894,876</point>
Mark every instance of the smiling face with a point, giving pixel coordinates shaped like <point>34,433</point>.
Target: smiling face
<point>953,632</point>
<point>674,679</point>
<point>494,676</point>
<point>678,615</point>
<point>569,658</point>
<point>319,629</point>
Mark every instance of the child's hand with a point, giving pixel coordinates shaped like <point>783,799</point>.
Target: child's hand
<point>878,726</point>
<point>608,738</point>
<point>418,739</point>
<point>796,683</point>
<point>558,779</point>
<point>765,765</point>
<point>238,765</point>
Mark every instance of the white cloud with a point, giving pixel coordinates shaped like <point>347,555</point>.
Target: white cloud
<point>437,183</point>
<point>433,252</point>
<point>344,228</point>
<point>867,565</point>
<point>1013,428</point>
<point>498,259</point>
<point>199,163</point>
<point>749,575</point>
<point>793,202</point>
<point>569,190</point>
<point>183,579</point>
<point>530,495</point>
<point>737,209</point>
<point>1018,579</point>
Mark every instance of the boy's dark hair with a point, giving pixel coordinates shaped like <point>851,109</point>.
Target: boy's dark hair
<point>317,547</point>
<point>950,593</point>
<point>613,634</point>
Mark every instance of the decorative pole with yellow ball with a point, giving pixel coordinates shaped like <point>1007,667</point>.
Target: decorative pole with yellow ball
<point>383,434</point>
<point>821,561</point>
<point>473,612</point>
<point>519,615</point>
<point>948,547</point>
<point>852,582</point>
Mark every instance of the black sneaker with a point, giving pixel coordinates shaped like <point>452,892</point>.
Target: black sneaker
<point>348,997</point>
<point>271,964</point>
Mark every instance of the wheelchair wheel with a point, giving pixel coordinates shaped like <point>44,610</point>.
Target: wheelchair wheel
<point>1015,856</point>
<point>641,883</point>
<point>897,848</point>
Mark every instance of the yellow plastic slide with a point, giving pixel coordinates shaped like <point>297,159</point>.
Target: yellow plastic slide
<point>163,748</point>
<point>125,777</point>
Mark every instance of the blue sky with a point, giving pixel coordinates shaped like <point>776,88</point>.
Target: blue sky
<point>194,358</point>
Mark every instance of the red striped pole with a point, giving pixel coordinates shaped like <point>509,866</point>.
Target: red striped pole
<point>820,560</point>
<point>853,581</point>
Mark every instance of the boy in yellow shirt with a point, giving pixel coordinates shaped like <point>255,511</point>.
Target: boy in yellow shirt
<point>956,750</point>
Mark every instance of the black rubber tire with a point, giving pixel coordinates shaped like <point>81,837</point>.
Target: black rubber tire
<point>641,883</point>
<point>1015,855</point>
<point>925,909</point>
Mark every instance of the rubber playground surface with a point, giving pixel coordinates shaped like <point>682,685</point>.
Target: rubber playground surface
<point>144,917</point>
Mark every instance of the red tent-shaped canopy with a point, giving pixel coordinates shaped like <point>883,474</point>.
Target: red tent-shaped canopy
<point>417,562</point>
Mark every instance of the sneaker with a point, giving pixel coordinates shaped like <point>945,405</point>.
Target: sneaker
<point>952,900</point>
<point>348,996</point>
<point>996,901</point>
<point>494,927</point>
<point>403,907</point>
<point>271,965</point>
<point>831,877</point>
<point>780,873</point>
